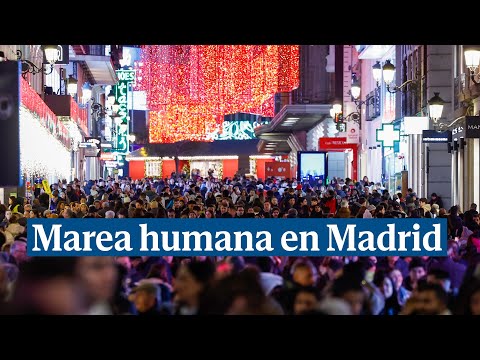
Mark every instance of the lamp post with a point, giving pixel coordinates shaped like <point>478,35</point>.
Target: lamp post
<point>52,55</point>
<point>377,72</point>
<point>355,89</point>
<point>435,107</point>
<point>72,85</point>
<point>388,71</point>
<point>86,92</point>
<point>111,97</point>
<point>340,120</point>
<point>472,60</point>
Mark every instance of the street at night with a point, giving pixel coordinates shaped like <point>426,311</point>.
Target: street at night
<point>150,137</point>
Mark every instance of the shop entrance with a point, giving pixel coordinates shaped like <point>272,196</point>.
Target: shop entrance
<point>206,168</point>
<point>341,156</point>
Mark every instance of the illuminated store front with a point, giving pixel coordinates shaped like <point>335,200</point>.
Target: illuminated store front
<point>45,145</point>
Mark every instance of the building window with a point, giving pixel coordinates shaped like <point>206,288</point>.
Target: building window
<point>153,168</point>
<point>372,102</point>
<point>253,167</point>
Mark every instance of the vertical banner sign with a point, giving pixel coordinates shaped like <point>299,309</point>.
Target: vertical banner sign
<point>10,72</point>
<point>125,78</point>
<point>46,187</point>
<point>353,132</point>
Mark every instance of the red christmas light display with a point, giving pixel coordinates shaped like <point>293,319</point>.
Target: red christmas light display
<point>79,115</point>
<point>32,101</point>
<point>190,88</point>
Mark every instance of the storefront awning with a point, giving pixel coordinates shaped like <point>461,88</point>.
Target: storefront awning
<point>276,136</point>
<point>196,149</point>
<point>100,69</point>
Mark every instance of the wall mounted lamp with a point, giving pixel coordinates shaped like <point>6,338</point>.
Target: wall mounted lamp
<point>388,72</point>
<point>472,60</point>
<point>52,55</point>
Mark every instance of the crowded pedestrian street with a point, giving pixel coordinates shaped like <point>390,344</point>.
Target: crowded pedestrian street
<point>240,133</point>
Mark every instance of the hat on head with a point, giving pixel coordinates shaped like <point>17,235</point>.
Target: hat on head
<point>299,187</point>
<point>371,207</point>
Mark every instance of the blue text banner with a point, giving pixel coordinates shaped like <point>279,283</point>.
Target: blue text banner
<point>248,237</point>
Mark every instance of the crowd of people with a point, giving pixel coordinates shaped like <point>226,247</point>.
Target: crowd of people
<point>167,285</point>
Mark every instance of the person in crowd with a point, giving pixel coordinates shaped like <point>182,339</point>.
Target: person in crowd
<point>97,275</point>
<point>428,299</point>
<point>48,286</point>
<point>394,262</point>
<point>147,300</point>
<point>344,211</point>
<point>435,199</point>
<point>306,300</point>
<point>382,285</point>
<point>416,271</point>
<point>238,294</point>
<point>191,282</point>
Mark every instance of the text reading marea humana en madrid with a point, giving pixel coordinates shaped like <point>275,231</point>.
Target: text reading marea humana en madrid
<point>57,239</point>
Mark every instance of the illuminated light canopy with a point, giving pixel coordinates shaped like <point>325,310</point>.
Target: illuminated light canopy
<point>191,88</point>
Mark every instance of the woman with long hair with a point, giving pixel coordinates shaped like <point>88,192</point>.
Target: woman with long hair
<point>386,286</point>
<point>60,207</point>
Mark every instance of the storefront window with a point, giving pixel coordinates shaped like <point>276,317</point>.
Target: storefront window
<point>396,161</point>
<point>153,168</point>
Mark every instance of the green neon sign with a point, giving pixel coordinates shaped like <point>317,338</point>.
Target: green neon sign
<point>125,78</point>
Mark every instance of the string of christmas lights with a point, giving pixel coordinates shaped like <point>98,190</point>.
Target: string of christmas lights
<point>79,115</point>
<point>40,154</point>
<point>190,88</point>
<point>32,101</point>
